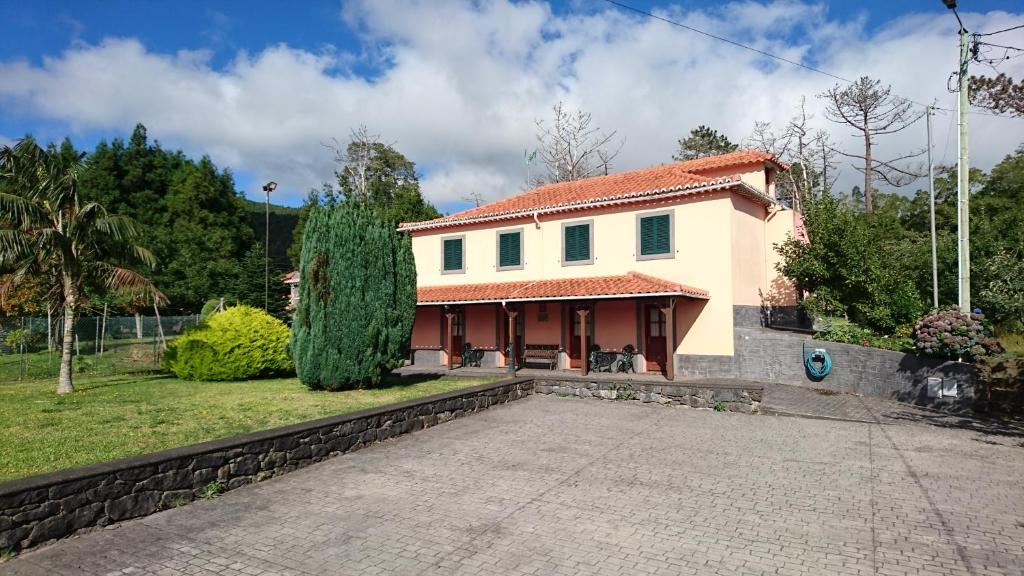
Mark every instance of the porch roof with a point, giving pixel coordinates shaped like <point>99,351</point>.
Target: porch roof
<point>625,286</point>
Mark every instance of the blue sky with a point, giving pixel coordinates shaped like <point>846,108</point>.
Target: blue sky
<point>456,86</point>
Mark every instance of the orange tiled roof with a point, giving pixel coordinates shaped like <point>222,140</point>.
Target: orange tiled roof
<point>625,186</point>
<point>737,158</point>
<point>631,284</point>
<point>291,277</point>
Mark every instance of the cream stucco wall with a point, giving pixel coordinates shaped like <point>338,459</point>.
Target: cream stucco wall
<point>748,256</point>
<point>703,257</point>
<point>759,178</point>
<point>779,226</point>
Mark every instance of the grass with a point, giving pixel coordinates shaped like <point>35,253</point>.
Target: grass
<point>119,357</point>
<point>119,416</point>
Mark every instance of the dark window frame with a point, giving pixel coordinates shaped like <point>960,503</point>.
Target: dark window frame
<point>671,235</point>
<point>497,249</point>
<point>590,237</point>
<point>461,238</point>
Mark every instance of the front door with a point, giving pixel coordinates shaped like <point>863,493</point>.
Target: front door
<point>458,334</point>
<point>654,346</point>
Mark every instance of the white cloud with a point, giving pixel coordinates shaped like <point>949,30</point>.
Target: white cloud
<point>463,83</point>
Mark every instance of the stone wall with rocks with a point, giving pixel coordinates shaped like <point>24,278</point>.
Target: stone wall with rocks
<point>41,508</point>
<point>733,397</point>
<point>765,355</point>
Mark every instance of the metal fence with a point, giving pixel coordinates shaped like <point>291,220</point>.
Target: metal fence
<point>30,346</point>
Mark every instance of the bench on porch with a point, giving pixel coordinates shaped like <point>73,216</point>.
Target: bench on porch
<point>541,353</point>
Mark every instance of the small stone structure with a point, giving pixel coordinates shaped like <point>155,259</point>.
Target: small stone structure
<point>734,397</point>
<point>41,508</point>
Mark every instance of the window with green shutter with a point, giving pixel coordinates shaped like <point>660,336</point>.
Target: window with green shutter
<point>452,254</point>
<point>510,250</point>
<point>576,243</point>
<point>654,236</point>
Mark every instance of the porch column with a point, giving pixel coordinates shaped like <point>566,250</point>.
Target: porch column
<point>670,339</point>
<point>584,353</point>
<point>448,340</point>
<point>511,339</point>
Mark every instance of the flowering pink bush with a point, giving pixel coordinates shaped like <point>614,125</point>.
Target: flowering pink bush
<point>949,333</point>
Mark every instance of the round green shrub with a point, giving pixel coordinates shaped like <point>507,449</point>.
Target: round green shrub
<point>950,333</point>
<point>240,343</point>
<point>18,339</point>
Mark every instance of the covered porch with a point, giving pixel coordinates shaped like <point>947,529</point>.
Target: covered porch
<point>615,324</point>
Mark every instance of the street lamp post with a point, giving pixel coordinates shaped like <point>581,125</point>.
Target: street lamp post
<point>267,189</point>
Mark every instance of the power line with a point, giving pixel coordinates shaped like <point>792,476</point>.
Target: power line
<point>1000,46</point>
<point>745,47</point>
<point>1001,31</point>
<point>780,58</point>
<point>728,41</point>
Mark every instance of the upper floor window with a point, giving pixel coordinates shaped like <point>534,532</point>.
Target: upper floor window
<point>654,236</point>
<point>577,243</point>
<point>453,255</point>
<point>510,250</point>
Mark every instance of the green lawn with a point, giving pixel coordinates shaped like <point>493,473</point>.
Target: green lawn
<point>118,416</point>
<point>119,357</point>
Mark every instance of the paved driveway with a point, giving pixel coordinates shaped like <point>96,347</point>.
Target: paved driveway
<point>554,485</point>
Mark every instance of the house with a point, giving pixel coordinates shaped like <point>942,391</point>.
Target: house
<point>666,260</point>
<point>291,280</point>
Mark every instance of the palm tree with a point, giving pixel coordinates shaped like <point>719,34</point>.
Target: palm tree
<point>48,233</point>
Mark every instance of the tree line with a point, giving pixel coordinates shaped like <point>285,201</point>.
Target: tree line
<point>206,239</point>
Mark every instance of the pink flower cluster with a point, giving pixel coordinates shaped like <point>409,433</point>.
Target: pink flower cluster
<point>950,333</point>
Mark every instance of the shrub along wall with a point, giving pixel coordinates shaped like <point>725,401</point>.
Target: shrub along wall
<point>41,508</point>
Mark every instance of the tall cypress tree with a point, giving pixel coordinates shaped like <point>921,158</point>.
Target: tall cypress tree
<point>357,298</point>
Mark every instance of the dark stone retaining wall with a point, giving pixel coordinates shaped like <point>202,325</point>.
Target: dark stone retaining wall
<point>41,508</point>
<point>744,398</point>
<point>764,316</point>
<point>764,355</point>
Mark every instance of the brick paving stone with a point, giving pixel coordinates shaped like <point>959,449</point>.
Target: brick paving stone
<point>567,486</point>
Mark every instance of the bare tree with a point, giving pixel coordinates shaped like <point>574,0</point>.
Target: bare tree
<point>874,111</point>
<point>571,148</point>
<point>355,159</point>
<point>809,153</point>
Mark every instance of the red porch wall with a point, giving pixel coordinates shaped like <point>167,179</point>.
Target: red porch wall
<point>615,324</point>
<point>426,329</point>
<point>543,332</point>
<point>480,326</point>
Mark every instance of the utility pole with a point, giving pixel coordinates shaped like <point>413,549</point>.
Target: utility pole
<point>931,194</point>
<point>963,182</point>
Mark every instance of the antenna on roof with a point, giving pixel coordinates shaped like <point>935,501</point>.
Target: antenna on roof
<point>475,197</point>
<point>529,158</point>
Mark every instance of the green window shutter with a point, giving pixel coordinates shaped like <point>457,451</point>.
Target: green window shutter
<point>509,249</point>
<point>453,254</point>
<point>655,235</point>
<point>577,243</point>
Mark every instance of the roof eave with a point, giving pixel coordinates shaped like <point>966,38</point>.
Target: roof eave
<point>694,295</point>
<point>631,198</point>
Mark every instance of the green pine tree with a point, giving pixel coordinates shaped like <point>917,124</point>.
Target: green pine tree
<point>703,142</point>
<point>357,298</point>
<point>250,286</point>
